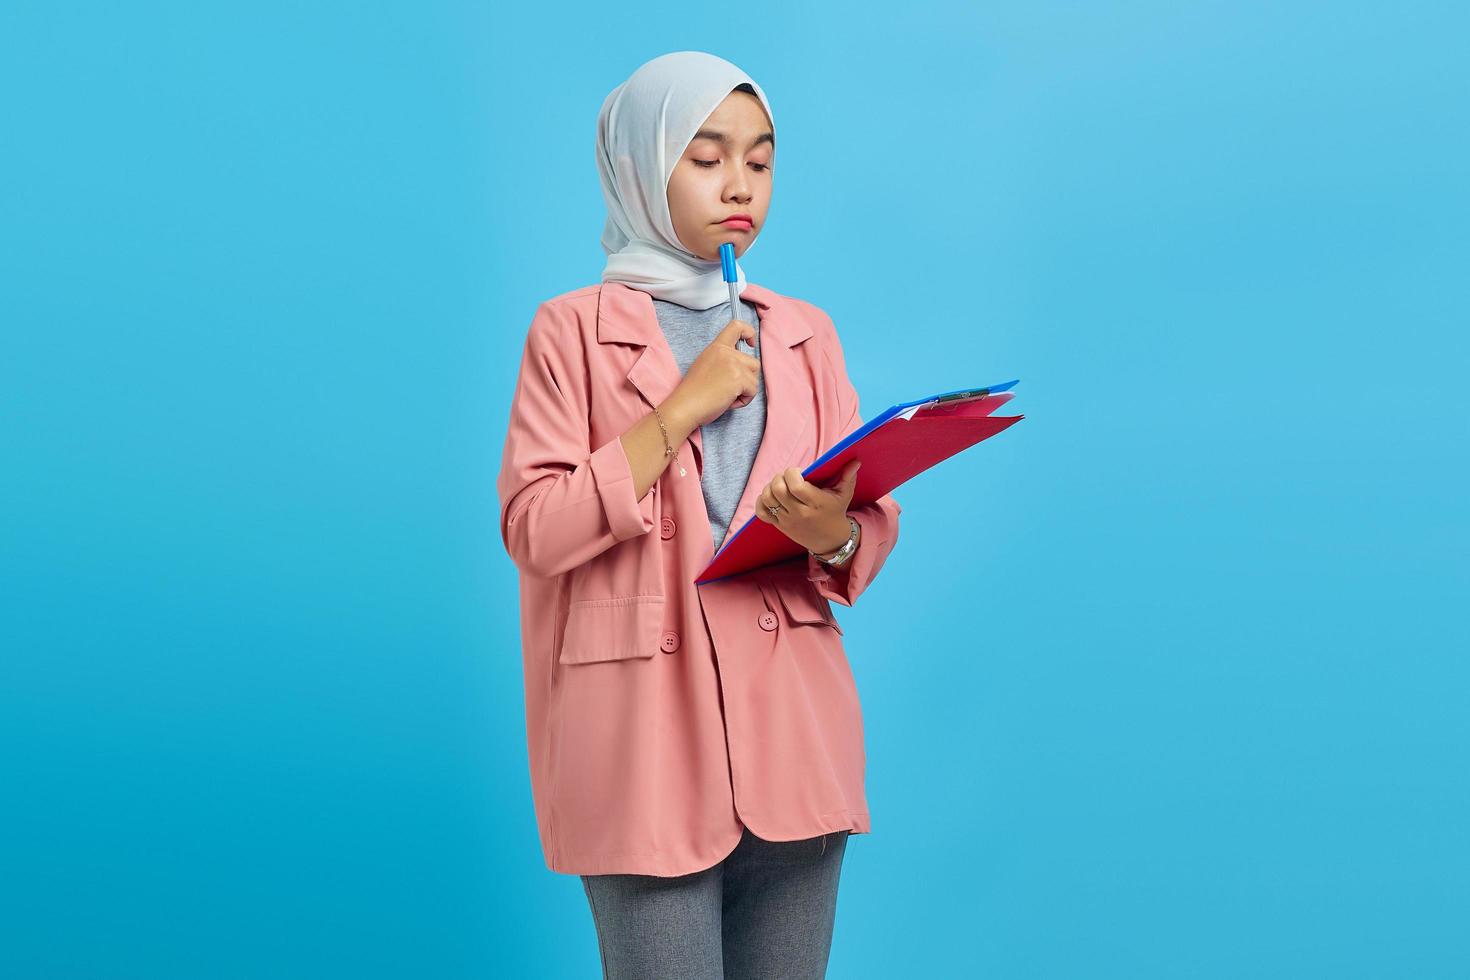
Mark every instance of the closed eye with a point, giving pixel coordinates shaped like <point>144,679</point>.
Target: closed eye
<point>710,163</point>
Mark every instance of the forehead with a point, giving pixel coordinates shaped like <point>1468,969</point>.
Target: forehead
<point>740,117</point>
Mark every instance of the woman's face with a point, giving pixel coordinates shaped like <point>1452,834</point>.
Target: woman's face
<point>725,170</point>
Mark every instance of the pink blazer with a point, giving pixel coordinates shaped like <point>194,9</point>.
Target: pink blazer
<point>661,715</point>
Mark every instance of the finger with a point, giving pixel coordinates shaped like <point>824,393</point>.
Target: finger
<point>764,505</point>
<point>736,330</point>
<point>760,507</point>
<point>846,476</point>
<point>785,497</point>
<point>799,490</point>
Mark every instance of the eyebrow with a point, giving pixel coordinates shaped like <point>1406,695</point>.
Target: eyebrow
<point>722,139</point>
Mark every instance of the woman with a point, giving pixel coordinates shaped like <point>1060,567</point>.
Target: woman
<point>696,752</point>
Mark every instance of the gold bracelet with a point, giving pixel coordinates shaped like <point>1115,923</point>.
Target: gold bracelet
<point>668,449</point>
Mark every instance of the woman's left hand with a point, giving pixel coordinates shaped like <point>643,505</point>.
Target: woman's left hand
<point>812,516</point>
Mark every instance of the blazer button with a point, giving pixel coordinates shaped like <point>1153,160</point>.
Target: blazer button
<point>767,621</point>
<point>666,528</point>
<point>670,642</point>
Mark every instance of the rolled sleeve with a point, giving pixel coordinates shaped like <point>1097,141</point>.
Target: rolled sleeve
<point>878,519</point>
<point>879,523</point>
<point>562,503</point>
<point>627,516</point>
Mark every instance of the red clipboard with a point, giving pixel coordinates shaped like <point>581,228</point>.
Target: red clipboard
<point>899,444</point>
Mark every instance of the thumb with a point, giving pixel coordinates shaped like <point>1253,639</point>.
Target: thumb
<point>848,483</point>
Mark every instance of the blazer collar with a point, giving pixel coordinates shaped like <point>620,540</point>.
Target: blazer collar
<point>626,316</point>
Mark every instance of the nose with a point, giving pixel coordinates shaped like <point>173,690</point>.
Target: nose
<point>738,189</point>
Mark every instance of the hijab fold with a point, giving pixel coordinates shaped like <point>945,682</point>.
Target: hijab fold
<point>644,127</point>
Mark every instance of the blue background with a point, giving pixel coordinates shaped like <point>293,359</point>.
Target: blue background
<point>1168,680</point>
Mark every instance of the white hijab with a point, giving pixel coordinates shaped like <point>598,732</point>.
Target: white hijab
<point>644,127</point>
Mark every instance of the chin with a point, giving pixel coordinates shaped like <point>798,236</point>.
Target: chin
<point>715,250</point>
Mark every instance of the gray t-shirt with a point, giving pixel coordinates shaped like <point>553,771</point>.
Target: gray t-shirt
<point>730,441</point>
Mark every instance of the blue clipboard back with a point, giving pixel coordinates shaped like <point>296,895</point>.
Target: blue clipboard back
<point>898,409</point>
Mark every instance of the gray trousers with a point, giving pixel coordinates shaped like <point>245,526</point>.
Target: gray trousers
<point>763,913</point>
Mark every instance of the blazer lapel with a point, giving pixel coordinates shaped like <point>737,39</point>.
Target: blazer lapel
<point>788,398</point>
<point>626,316</point>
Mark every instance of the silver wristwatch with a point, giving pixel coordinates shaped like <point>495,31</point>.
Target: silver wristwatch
<point>841,554</point>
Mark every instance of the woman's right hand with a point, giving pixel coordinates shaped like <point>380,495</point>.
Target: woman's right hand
<point>721,376</point>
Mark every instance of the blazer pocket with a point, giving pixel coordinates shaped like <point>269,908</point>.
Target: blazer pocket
<point>804,604</point>
<point>619,628</point>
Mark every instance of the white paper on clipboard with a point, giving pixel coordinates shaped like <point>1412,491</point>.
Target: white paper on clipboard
<point>908,413</point>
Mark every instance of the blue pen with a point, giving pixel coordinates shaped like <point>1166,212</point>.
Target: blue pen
<point>727,268</point>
